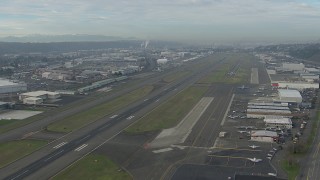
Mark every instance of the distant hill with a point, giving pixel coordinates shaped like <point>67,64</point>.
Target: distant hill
<point>59,47</point>
<point>62,38</point>
<point>18,48</point>
<point>310,52</point>
<point>307,52</point>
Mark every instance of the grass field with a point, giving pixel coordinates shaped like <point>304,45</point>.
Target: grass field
<point>5,127</point>
<point>13,150</point>
<point>4,122</point>
<point>175,76</point>
<point>93,167</point>
<point>291,169</point>
<point>78,120</point>
<point>169,113</point>
<point>220,74</point>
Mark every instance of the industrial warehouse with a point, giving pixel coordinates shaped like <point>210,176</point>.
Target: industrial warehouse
<point>38,97</point>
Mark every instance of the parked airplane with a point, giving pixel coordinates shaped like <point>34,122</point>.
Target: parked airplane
<point>243,87</point>
<point>272,174</point>
<point>254,159</point>
<point>269,158</point>
<point>270,155</point>
<point>254,146</point>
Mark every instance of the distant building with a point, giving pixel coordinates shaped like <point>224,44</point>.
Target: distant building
<point>264,109</point>
<point>162,61</point>
<point>278,122</point>
<point>264,136</point>
<point>7,86</point>
<point>38,94</point>
<point>290,96</point>
<point>57,75</point>
<point>296,85</point>
<point>313,71</point>
<point>32,100</point>
<point>293,66</point>
<point>309,77</point>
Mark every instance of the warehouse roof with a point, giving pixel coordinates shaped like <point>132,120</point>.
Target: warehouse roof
<point>38,93</point>
<point>264,133</point>
<point>289,93</point>
<point>277,120</point>
<point>33,98</point>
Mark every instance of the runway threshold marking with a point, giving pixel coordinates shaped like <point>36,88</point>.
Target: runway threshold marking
<point>81,147</point>
<point>59,145</point>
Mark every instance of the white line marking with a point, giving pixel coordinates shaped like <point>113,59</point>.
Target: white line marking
<point>226,113</point>
<point>20,174</point>
<point>81,147</point>
<point>54,155</point>
<point>114,116</point>
<point>60,145</point>
<point>130,117</point>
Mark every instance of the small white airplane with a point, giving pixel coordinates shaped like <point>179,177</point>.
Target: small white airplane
<point>254,146</point>
<point>274,149</point>
<point>269,158</point>
<point>270,155</point>
<point>254,159</point>
<point>272,174</point>
<point>243,87</point>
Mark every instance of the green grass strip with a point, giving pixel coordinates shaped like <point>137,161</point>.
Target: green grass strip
<point>169,113</point>
<point>78,120</point>
<point>94,167</point>
<point>13,150</point>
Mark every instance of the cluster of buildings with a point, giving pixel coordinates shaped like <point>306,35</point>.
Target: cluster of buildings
<point>290,80</point>
<point>291,75</point>
<point>38,97</point>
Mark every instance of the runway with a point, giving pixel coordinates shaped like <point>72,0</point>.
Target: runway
<point>207,128</point>
<point>56,156</point>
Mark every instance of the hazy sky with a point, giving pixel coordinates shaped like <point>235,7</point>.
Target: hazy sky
<point>190,20</point>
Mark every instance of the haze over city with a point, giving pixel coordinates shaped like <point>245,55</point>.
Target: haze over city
<point>201,21</point>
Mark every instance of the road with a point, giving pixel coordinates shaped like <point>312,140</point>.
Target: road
<point>310,168</point>
<point>76,144</point>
